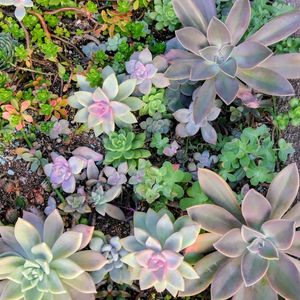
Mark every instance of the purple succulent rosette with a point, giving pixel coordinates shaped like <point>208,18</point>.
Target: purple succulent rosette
<point>213,52</point>
<point>257,245</point>
<point>188,127</point>
<point>62,172</point>
<point>147,71</point>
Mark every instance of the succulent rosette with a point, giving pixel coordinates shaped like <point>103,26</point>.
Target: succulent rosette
<point>213,53</point>
<point>154,251</point>
<point>188,127</point>
<point>62,172</point>
<point>147,71</point>
<point>40,261</point>
<point>257,245</point>
<point>103,108</point>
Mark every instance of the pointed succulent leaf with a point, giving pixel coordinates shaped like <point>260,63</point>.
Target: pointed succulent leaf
<point>203,244</point>
<point>280,232</point>
<point>250,54</point>
<point>216,188</point>
<point>203,69</point>
<point>227,87</point>
<point>179,71</point>
<point>227,280</point>
<point>260,290</point>
<point>266,81</point>
<point>295,248</point>
<point>284,64</point>
<point>294,214</point>
<point>277,29</point>
<point>203,100</point>
<point>191,39</point>
<point>231,244</point>
<point>213,218</point>
<point>195,13</point>
<point>206,269</point>
<point>217,33</point>
<point>284,277</point>
<point>256,209</point>
<point>229,67</point>
<point>265,248</point>
<point>126,88</point>
<point>238,20</point>
<point>253,267</point>
<point>283,190</point>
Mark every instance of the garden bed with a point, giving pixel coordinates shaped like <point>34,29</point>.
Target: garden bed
<point>105,121</point>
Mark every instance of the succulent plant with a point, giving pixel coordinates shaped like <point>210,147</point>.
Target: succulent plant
<point>40,261</point>
<point>156,124</point>
<point>60,127</point>
<point>62,172</point>
<point>212,53</point>
<point>101,198</point>
<point>76,205</point>
<point>111,248</point>
<point>20,5</point>
<point>35,157</point>
<point>116,176</point>
<point>171,149</point>
<point>154,250</point>
<point>106,106</point>
<point>257,245</point>
<point>204,159</point>
<point>124,146</point>
<point>154,102</point>
<point>164,15</point>
<point>147,71</point>
<point>89,156</point>
<point>164,183</point>
<point>7,51</point>
<point>114,42</point>
<point>188,127</point>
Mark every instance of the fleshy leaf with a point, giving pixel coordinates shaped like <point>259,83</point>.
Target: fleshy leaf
<point>227,87</point>
<point>256,209</point>
<point>281,232</point>
<point>284,277</point>
<point>266,81</point>
<point>203,100</point>
<point>213,218</point>
<point>250,54</point>
<point>217,33</point>
<point>253,268</point>
<point>216,188</point>
<point>283,190</point>
<point>191,39</point>
<point>238,20</point>
<point>206,269</point>
<point>287,65</point>
<point>231,244</point>
<point>277,29</point>
<point>227,280</point>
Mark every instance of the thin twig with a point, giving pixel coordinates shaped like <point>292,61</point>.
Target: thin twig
<point>68,43</point>
<point>27,37</point>
<point>42,21</point>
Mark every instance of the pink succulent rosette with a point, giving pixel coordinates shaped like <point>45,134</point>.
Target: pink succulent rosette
<point>112,104</point>
<point>147,71</point>
<point>256,245</point>
<point>155,257</point>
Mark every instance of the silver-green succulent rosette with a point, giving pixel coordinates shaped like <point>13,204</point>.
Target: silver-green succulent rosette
<point>155,257</point>
<point>41,262</point>
<point>111,248</point>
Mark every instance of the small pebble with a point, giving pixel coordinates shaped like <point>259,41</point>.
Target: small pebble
<point>10,172</point>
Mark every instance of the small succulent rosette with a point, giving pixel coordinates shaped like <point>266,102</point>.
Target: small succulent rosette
<point>147,71</point>
<point>104,108</point>
<point>111,248</point>
<point>155,257</point>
